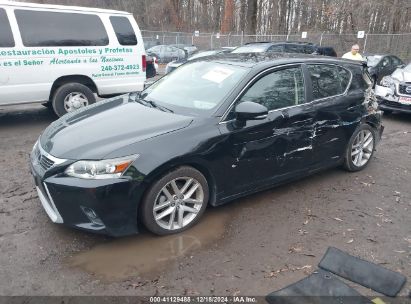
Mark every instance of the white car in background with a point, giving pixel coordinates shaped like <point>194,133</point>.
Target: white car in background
<point>64,55</point>
<point>394,91</point>
<point>171,66</point>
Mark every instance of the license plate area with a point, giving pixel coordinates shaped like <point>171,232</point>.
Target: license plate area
<point>405,100</point>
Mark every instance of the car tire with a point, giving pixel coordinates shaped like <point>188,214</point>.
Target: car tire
<point>360,148</point>
<point>160,211</point>
<point>387,112</point>
<point>71,96</point>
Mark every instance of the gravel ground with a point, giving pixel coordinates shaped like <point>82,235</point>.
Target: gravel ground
<point>251,246</point>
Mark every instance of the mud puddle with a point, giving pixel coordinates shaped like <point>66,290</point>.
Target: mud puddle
<point>147,254</point>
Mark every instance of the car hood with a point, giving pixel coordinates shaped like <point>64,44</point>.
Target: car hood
<point>402,75</point>
<point>95,131</point>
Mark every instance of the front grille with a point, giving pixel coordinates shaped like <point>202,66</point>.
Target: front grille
<point>402,89</point>
<point>44,162</point>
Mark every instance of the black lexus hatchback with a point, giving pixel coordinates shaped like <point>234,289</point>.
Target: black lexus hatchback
<point>215,129</point>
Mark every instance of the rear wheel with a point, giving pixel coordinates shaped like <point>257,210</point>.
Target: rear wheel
<point>70,97</point>
<point>360,148</point>
<point>175,202</point>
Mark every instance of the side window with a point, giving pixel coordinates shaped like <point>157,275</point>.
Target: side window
<point>6,36</point>
<point>385,62</point>
<point>345,77</point>
<point>360,79</point>
<point>275,48</point>
<point>124,30</point>
<point>278,90</point>
<point>42,28</point>
<point>328,80</point>
<point>396,61</point>
<point>292,48</point>
<point>308,49</point>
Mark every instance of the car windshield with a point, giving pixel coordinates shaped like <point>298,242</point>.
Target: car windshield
<point>203,54</point>
<point>251,48</point>
<point>373,60</point>
<point>196,88</point>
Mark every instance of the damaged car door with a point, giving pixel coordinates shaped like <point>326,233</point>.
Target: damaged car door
<point>266,151</point>
<point>329,85</point>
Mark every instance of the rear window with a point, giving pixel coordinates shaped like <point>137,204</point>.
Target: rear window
<point>328,80</point>
<point>124,31</point>
<point>40,28</point>
<point>6,36</point>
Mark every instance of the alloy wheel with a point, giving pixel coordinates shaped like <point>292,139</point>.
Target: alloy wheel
<point>362,148</point>
<point>178,203</point>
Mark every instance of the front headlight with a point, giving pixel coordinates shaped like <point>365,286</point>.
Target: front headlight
<point>103,169</point>
<point>388,82</point>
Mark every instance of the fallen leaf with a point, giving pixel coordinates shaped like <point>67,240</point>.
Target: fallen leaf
<point>399,251</point>
<point>379,208</point>
<point>294,249</point>
<point>338,219</point>
<point>350,241</point>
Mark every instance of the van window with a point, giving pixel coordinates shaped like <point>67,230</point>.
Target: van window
<point>124,31</point>
<point>328,80</point>
<point>6,36</point>
<point>41,28</point>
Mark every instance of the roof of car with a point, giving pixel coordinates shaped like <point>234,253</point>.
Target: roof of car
<point>61,7</point>
<point>251,60</point>
<point>281,42</point>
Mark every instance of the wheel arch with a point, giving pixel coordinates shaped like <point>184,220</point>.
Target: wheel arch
<point>82,79</point>
<point>171,166</point>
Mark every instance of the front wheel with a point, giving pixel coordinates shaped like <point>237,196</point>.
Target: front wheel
<point>175,202</point>
<point>360,148</point>
<point>70,97</point>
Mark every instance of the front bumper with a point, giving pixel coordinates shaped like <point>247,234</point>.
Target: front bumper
<point>393,106</point>
<point>389,100</point>
<point>100,206</point>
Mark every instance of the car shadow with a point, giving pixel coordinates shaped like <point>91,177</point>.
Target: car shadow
<point>26,115</point>
<point>398,116</point>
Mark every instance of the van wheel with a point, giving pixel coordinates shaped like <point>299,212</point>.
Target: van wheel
<point>70,97</point>
<point>360,148</point>
<point>175,202</point>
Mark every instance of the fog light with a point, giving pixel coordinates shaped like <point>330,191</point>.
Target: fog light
<point>92,215</point>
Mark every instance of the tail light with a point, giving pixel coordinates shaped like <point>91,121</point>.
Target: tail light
<point>144,63</point>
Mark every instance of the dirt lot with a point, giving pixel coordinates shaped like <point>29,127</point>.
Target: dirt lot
<point>252,246</point>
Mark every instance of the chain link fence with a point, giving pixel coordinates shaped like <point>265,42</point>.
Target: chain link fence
<point>396,44</point>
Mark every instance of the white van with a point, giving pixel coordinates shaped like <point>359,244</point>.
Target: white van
<point>62,55</point>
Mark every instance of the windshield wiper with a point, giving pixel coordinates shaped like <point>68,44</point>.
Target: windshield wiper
<point>137,97</point>
<point>153,104</point>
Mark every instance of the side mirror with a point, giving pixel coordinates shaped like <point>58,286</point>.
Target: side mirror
<point>400,66</point>
<point>248,110</point>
